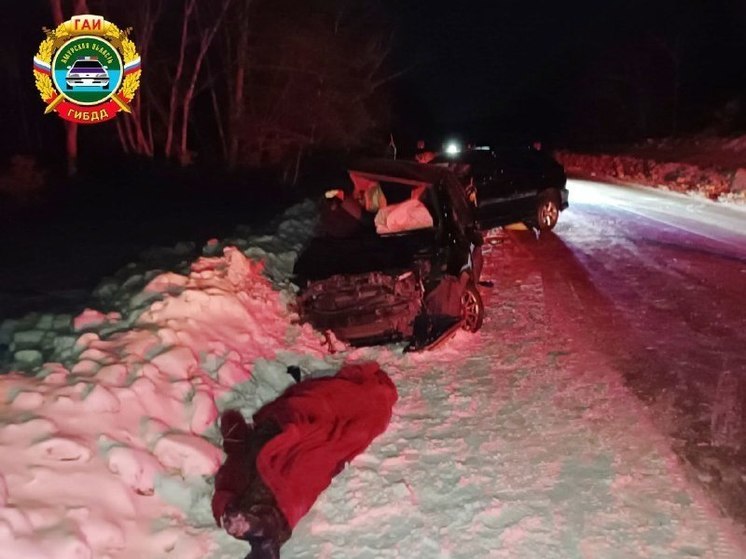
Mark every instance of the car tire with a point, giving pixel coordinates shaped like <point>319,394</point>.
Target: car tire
<point>547,210</point>
<point>472,309</point>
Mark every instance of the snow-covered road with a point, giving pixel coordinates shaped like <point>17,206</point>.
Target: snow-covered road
<point>522,441</point>
<point>526,440</point>
<point>656,280</point>
<point>722,224</point>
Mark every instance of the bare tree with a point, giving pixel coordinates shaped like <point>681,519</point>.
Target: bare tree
<point>176,70</point>
<point>71,128</point>
<point>173,101</point>
<point>283,77</point>
<point>207,34</point>
<point>136,130</point>
<point>237,49</point>
<point>184,84</point>
<point>315,70</point>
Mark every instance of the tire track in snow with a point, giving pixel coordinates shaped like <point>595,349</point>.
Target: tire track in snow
<point>517,442</point>
<point>673,328</point>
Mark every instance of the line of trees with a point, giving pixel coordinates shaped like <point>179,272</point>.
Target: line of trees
<point>248,82</point>
<point>673,78</point>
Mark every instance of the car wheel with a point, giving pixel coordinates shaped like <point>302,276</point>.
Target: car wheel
<point>547,211</point>
<point>472,309</point>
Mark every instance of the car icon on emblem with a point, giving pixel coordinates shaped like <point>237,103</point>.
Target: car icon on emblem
<point>87,72</point>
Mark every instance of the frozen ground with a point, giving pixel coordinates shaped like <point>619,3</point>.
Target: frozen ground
<point>520,441</point>
<point>655,281</point>
<point>726,152</point>
<point>711,167</point>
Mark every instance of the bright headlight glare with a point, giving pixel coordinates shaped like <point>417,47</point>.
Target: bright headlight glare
<point>452,148</point>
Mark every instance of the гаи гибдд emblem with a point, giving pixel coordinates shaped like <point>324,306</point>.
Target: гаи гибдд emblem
<point>87,70</point>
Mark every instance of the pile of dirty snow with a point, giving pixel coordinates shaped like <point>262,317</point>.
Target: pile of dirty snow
<point>107,430</point>
<point>518,441</point>
<point>725,182</point>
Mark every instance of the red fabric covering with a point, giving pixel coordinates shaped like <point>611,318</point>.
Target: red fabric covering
<point>325,423</point>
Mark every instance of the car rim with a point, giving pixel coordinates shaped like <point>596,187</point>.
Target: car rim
<point>470,311</point>
<point>548,213</point>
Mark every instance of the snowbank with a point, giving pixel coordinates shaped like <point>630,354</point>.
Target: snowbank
<point>715,183</point>
<point>519,441</point>
<point>102,451</point>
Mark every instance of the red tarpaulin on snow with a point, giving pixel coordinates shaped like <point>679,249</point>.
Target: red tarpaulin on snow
<point>325,423</point>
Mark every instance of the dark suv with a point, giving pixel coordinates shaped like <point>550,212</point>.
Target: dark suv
<point>511,185</point>
<point>407,271</point>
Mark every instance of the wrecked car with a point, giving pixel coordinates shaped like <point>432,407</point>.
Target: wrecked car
<point>397,257</point>
<point>510,185</point>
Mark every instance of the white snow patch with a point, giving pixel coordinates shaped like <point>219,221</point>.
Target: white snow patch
<point>519,441</point>
<point>85,449</point>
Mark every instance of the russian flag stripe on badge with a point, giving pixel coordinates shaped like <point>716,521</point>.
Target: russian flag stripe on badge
<point>132,66</point>
<point>41,66</point>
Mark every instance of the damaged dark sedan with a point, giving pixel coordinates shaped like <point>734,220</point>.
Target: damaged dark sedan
<point>397,257</point>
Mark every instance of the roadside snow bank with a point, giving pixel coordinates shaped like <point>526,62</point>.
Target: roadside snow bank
<point>103,451</point>
<point>519,441</point>
<point>715,183</point>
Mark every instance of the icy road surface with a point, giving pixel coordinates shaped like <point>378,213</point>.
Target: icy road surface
<point>656,281</point>
<point>557,432</point>
<point>526,440</point>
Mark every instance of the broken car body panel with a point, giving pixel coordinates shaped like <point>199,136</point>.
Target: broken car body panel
<point>374,284</point>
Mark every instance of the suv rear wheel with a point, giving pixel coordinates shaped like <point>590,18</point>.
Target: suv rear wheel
<point>547,210</point>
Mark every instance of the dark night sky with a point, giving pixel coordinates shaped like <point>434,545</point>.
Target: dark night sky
<point>520,66</point>
<point>528,69</point>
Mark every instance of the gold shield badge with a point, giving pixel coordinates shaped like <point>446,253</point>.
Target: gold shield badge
<point>87,70</point>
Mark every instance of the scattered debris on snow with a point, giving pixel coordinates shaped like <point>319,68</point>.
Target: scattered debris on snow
<point>503,444</point>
